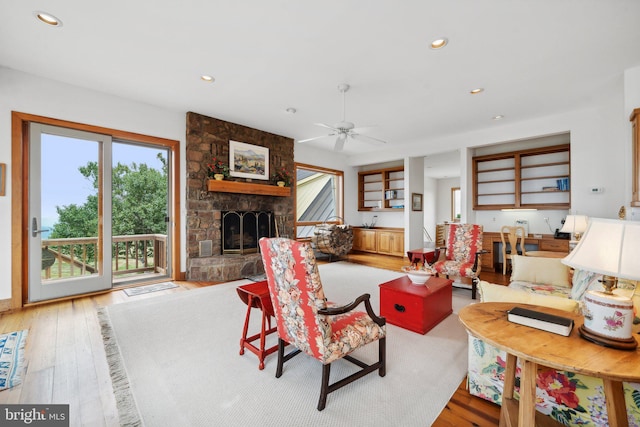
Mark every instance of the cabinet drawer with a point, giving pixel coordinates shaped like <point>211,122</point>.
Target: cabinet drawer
<point>554,245</point>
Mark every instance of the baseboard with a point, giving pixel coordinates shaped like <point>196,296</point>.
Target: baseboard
<point>5,305</point>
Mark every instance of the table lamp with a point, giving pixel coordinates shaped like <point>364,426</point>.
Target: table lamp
<point>576,225</point>
<point>611,248</point>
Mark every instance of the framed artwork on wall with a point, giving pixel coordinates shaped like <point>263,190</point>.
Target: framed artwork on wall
<point>248,161</point>
<point>416,201</point>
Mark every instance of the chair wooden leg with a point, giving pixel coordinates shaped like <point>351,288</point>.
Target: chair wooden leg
<point>324,388</point>
<point>280,357</point>
<point>474,287</point>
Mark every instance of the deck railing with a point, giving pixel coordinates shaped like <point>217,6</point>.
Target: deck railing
<point>133,254</point>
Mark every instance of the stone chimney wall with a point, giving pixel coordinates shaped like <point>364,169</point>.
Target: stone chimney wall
<point>207,138</point>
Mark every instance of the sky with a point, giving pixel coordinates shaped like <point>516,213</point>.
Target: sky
<point>61,181</point>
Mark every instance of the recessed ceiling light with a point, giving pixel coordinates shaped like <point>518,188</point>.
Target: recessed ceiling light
<point>439,43</point>
<point>498,117</point>
<point>48,19</point>
<point>291,110</point>
<point>476,91</point>
<point>207,78</point>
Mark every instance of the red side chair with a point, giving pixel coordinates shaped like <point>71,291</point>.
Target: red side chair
<point>305,320</point>
<point>462,254</point>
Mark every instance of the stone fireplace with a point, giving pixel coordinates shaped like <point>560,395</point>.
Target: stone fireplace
<point>207,138</point>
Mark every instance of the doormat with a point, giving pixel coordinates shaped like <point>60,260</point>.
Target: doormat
<point>12,358</point>
<point>150,288</point>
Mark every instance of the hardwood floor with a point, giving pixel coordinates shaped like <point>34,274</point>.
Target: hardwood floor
<point>66,361</point>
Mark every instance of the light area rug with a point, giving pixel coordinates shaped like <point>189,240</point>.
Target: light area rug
<point>154,287</point>
<point>180,355</point>
<point>12,362</point>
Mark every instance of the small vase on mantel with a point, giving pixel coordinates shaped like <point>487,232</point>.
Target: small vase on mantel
<point>218,176</point>
<point>280,183</point>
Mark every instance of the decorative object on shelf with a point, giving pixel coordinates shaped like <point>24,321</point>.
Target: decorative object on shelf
<point>282,177</point>
<point>416,201</point>
<point>217,169</point>
<point>418,274</point>
<point>622,213</point>
<point>248,161</point>
<point>370,224</point>
<point>609,247</point>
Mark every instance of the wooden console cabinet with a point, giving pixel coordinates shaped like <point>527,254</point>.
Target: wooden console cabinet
<point>386,241</point>
<point>491,241</point>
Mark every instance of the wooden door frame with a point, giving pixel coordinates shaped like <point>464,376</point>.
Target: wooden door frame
<point>20,194</point>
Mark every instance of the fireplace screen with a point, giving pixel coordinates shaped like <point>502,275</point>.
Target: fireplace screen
<point>241,230</point>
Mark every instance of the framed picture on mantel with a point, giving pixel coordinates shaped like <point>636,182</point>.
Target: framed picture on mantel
<point>248,161</point>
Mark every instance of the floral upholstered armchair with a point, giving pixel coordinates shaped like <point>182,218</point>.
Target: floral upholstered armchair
<point>462,254</point>
<point>307,322</point>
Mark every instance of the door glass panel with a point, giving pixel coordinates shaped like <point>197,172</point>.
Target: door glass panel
<point>140,200</point>
<point>69,197</point>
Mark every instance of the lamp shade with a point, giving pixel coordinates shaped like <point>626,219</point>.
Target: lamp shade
<point>610,247</point>
<point>575,224</point>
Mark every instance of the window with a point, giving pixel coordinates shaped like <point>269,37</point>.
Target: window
<point>319,198</point>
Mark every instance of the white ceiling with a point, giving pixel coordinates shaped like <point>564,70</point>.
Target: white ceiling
<point>533,58</point>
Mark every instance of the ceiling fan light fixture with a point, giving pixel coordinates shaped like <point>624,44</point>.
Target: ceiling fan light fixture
<point>291,110</point>
<point>439,43</point>
<point>47,18</point>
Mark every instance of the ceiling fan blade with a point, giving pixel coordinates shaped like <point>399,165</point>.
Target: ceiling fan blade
<point>372,139</point>
<point>340,142</point>
<point>316,137</point>
<point>326,126</point>
<point>361,129</point>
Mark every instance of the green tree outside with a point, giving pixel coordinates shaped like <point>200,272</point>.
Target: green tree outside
<point>139,204</point>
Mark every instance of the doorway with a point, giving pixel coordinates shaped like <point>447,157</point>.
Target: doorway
<point>93,208</point>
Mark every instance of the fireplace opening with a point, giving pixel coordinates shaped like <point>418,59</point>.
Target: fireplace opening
<point>241,230</point>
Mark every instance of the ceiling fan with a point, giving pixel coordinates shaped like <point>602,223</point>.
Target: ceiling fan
<point>343,129</point>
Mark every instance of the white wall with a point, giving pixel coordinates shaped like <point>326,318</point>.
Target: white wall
<point>430,206</point>
<point>600,143</point>
<point>34,95</point>
<point>443,201</point>
<point>413,183</point>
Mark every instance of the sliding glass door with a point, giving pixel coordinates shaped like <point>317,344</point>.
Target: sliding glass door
<point>99,211</point>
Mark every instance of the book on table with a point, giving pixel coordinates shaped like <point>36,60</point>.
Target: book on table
<point>539,320</point>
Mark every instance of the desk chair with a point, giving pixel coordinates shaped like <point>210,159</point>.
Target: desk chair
<point>513,236</point>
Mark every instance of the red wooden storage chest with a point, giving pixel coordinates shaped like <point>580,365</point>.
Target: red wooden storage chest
<point>417,308</point>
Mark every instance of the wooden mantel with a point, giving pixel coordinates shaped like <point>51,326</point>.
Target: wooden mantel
<point>225,186</point>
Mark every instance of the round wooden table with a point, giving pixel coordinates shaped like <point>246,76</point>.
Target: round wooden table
<point>488,321</point>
